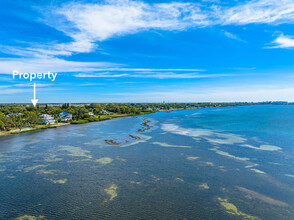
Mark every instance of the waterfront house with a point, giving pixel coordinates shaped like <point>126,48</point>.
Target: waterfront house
<point>90,114</point>
<point>65,116</point>
<point>47,119</point>
<point>103,112</point>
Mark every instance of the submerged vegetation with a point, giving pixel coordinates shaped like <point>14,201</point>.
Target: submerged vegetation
<point>74,151</point>
<point>193,158</point>
<point>258,171</point>
<point>204,186</point>
<point>30,217</point>
<point>233,210</point>
<point>104,177</point>
<point>111,191</point>
<point>226,154</point>
<point>169,145</point>
<point>179,179</point>
<point>61,181</point>
<point>104,160</point>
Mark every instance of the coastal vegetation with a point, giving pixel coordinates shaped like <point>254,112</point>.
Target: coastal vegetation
<point>15,117</point>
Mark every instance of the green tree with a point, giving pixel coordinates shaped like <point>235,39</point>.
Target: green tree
<point>2,125</point>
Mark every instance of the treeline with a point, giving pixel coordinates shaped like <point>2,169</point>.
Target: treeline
<point>20,115</point>
<point>26,119</point>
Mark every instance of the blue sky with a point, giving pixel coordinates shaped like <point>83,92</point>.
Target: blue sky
<point>148,51</point>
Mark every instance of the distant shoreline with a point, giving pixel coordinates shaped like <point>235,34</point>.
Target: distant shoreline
<point>42,127</point>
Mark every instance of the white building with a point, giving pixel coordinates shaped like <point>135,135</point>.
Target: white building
<point>47,119</point>
<point>90,114</point>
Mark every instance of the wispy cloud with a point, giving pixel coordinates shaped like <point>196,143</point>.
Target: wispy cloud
<point>30,85</point>
<point>283,42</point>
<point>14,91</point>
<point>232,36</point>
<point>102,21</point>
<point>89,23</point>
<point>156,75</point>
<point>52,64</point>
<point>145,70</point>
<point>229,94</point>
<point>102,75</point>
<point>7,65</point>
<point>3,87</point>
<point>258,11</point>
<point>242,68</point>
<point>92,84</point>
<point>25,88</point>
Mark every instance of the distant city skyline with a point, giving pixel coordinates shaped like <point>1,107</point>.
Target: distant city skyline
<point>148,51</point>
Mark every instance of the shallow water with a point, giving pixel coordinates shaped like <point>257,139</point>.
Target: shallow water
<point>217,163</point>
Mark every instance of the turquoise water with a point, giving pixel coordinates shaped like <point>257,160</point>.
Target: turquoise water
<point>216,163</point>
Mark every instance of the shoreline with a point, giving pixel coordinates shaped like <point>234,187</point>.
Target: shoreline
<point>31,129</point>
<point>42,127</point>
<point>107,117</point>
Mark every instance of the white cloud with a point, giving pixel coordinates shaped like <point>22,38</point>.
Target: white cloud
<point>157,75</point>
<point>10,90</point>
<point>102,69</point>
<point>102,21</point>
<point>14,91</point>
<point>145,70</point>
<point>1,87</point>
<point>91,22</point>
<point>81,44</point>
<point>258,11</point>
<point>31,85</point>
<point>34,50</point>
<point>22,88</point>
<point>230,94</point>
<point>232,36</point>
<point>283,42</point>
<point>242,68</point>
<point>101,75</point>
<point>45,64</point>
